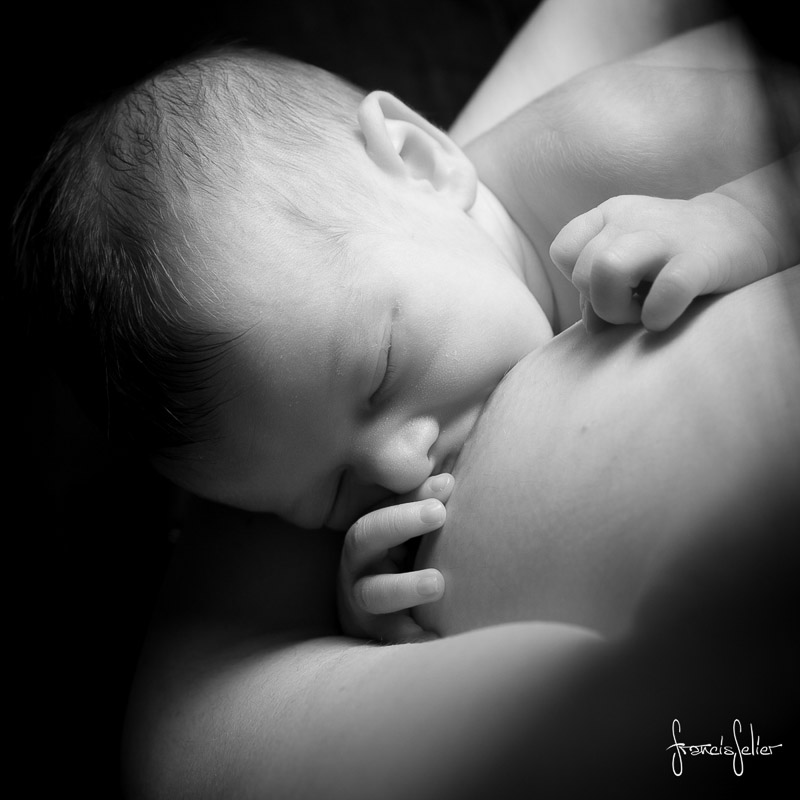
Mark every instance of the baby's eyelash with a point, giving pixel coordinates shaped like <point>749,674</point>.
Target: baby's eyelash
<point>387,376</point>
<point>337,491</point>
<point>390,368</point>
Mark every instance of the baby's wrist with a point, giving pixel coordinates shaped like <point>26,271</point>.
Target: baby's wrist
<point>742,217</point>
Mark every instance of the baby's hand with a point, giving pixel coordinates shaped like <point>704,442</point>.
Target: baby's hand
<point>643,258</point>
<point>374,593</point>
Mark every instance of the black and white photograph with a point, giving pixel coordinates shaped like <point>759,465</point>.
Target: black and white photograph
<point>404,399</point>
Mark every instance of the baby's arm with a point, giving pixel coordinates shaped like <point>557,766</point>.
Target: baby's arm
<point>644,258</point>
<point>374,592</point>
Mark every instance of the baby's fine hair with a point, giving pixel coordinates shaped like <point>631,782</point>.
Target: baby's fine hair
<point>100,236</point>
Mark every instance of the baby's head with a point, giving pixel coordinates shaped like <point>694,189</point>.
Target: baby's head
<point>273,285</point>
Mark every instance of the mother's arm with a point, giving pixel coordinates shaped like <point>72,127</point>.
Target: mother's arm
<point>247,689</point>
<point>565,37</point>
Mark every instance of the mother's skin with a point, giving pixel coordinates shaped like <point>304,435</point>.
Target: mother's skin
<point>247,689</point>
<point>665,444</point>
<point>602,459</point>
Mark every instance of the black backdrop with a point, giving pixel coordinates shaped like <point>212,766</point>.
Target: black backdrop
<point>87,528</point>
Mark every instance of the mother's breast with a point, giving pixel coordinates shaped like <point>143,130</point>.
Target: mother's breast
<point>601,459</point>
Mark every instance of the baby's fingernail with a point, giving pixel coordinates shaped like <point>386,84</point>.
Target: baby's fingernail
<point>431,511</point>
<point>441,482</point>
<point>428,585</point>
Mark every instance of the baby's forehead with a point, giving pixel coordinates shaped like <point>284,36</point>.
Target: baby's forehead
<point>278,276</point>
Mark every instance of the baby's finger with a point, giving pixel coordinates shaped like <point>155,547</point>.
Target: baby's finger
<point>682,279</point>
<point>380,530</point>
<point>438,487</point>
<point>585,264</point>
<point>385,594</point>
<point>618,269</point>
<point>591,321</point>
<point>573,239</point>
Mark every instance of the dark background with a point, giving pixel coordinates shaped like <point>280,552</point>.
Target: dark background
<point>88,527</point>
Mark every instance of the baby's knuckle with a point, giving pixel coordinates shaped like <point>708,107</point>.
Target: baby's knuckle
<point>628,203</point>
<point>582,273</point>
<point>363,596</point>
<point>563,252</point>
<point>397,522</point>
<point>610,209</point>
<point>611,263</point>
<point>671,286</point>
<point>609,266</point>
<point>359,534</point>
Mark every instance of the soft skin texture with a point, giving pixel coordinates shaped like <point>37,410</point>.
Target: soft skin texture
<point>565,37</point>
<point>375,580</point>
<point>601,456</point>
<point>681,249</point>
<point>245,684</point>
<point>716,73</point>
<point>359,375</point>
<point>247,688</point>
<point>706,123</point>
<point>245,680</point>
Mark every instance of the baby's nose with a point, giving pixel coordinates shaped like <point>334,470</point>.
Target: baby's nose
<point>396,456</point>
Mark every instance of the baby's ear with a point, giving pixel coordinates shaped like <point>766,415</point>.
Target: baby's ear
<point>404,144</point>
